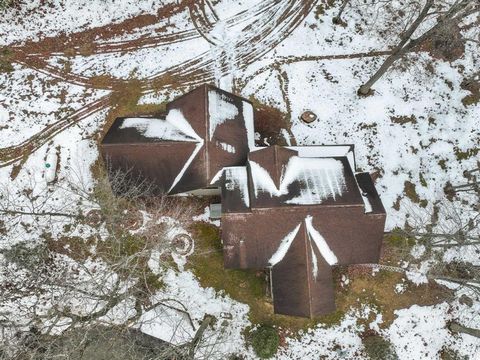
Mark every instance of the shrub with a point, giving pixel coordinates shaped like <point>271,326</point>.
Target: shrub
<point>378,348</point>
<point>449,354</point>
<point>265,341</point>
<point>5,3</point>
<point>27,256</point>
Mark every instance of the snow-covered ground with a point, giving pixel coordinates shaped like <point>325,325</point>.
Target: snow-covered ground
<point>285,53</point>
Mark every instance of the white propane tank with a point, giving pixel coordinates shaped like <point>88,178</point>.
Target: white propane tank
<point>51,166</point>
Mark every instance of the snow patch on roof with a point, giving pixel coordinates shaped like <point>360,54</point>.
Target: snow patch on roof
<point>155,128</point>
<point>283,247</point>
<point>314,237</point>
<point>327,151</point>
<point>247,111</point>
<point>217,176</point>
<point>174,128</point>
<point>176,118</point>
<point>320,242</point>
<point>237,178</point>
<point>198,147</point>
<point>314,262</point>
<point>322,150</point>
<point>226,147</point>
<point>220,110</point>
<point>320,179</point>
<point>366,202</point>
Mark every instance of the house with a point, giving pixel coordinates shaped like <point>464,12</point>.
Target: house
<point>296,211</point>
<point>202,132</point>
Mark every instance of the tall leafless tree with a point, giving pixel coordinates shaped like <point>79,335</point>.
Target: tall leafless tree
<point>94,277</point>
<point>444,17</point>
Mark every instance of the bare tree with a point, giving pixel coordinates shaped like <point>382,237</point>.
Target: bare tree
<point>92,278</point>
<point>438,18</point>
<point>448,226</point>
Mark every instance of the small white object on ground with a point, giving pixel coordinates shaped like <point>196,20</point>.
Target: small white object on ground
<point>51,166</point>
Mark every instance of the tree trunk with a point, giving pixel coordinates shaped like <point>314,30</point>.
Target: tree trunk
<point>198,336</point>
<point>337,19</point>
<point>397,52</point>
<point>366,88</point>
<point>456,327</point>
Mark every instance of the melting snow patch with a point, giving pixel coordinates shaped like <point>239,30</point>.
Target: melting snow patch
<point>419,332</point>
<point>226,147</point>
<point>320,180</point>
<point>173,326</point>
<point>336,342</point>
<point>220,110</point>
<point>4,116</point>
<point>206,217</point>
<point>284,246</point>
<point>417,251</point>
<point>236,178</point>
<point>400,288</point>
<point>174,128</point>
<point>419,274</point>
<point>322,245</point>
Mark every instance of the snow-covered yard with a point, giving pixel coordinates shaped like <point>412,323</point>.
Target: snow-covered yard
<point>67,69</point>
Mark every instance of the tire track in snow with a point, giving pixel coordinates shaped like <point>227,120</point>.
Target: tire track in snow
<point>257,40</point>
<point>277,21</point>
<point>12,154</point>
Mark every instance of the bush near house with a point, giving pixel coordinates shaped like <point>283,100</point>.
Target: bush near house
<point>265,341</point>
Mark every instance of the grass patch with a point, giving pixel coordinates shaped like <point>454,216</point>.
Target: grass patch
<point>379,289</point>
<point>378,348</point>
<point>411,191</point>
<point>403,119</point>
<point>467,154</point>
<point>423,182</point>
<point>124,101</point>
<point>246,286</point>
<point>320,10</point>
<point>5,61</point>
<point>396,238</point>
<point>473,86</point>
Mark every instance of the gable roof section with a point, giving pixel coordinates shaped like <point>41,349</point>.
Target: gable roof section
<point>227,138</point>
<point>279,177</point>
<point>235,194</point>
<point>210,118</point>
<point>301,273</point>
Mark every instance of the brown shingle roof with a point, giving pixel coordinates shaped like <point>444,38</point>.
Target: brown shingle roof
<point>211,119</point>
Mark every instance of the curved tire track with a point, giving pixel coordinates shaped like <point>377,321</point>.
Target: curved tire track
<point>267,26</point>
<point>12,154</point>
